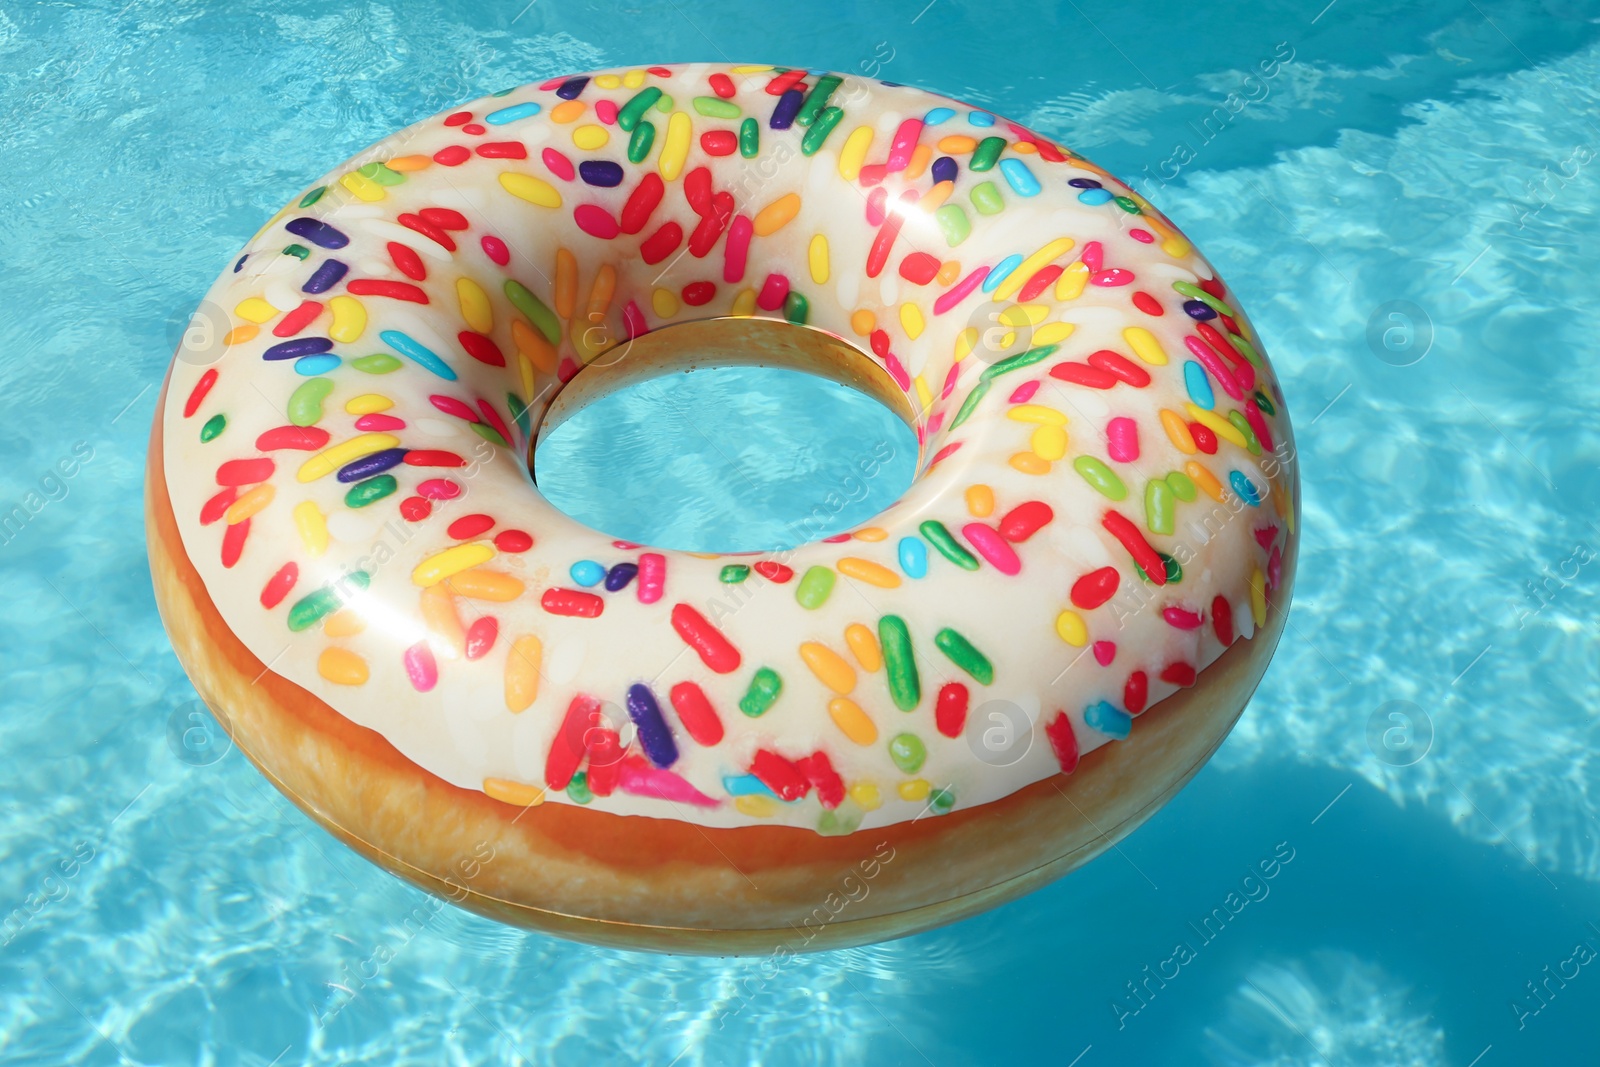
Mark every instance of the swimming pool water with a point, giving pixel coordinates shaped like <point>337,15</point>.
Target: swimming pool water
<point>161,904</point>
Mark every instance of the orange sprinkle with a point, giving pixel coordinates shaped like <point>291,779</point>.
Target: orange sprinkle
<point>439,613</point>
<point>1178,432</point>
<point>406,164</point>
<point>341,666</point>
<point>980,501</point>
<point>480,584</point>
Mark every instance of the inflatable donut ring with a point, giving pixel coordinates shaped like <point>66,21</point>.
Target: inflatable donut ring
<point>863,736</point>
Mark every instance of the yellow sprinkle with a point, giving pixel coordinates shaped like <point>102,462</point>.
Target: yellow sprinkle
<point>1039,413</point>
<point>829,667</point>
<point>331,459</point>
<point>1175,246</point>
<point>676,148</point>
<point>864,570</point>
<point>533,345</point>
<point>854,153</point>
<point>756,806</point>
<point>1216,424</point>
<point>1178,432</point>
<point>525,370</point>
<point>1070,285</point>
<point>1052,333</point>
<point>1203,477</point>
<point>748,69</point>
<point>866,795</point>
<point>817,258</point>
<point>1029,463</point>
<point>776,215</point>
<point>871,533</point>
<point>915,789</point>
<point>346,622</point>
<point>522,672</point>
<point>1072,629</point>
<point>566,283</point>
<point>744,304</point>
<point>607,81</point>
<point>240,334</point>
<point>475,310</point>
<point>533,190</point>
<point>1145,345</point>
<point>1018,315</point>
<point>254,309</point>
<point>248,504</point>
<point>1049,442</point>
<point>407,164</point>
<point>852,721</point>
<point>957,144</point>
<point>590,138</point>
<point>566,111</point>
<point>664,302</point>
<point>368,403</point>
<point>911,320</point>
<point>443,622</point>
<point>864,647</point>
<point>311,526</point>
<point>920,156</point>
<point>363,188</point>
<point>349,319</point>
<point>341,666</point>
<point>516,793</point>
<point>1258,596</point>
<point>480,584</point>
<point>451,562</point>
<point>924,394</point>
<point>980,501</point>
<point>633,79</point>
<point>966,341</point>
<point>863,322</point>
<point>1030,266</point>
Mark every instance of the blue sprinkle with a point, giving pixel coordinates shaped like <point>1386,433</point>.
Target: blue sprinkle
<point>1019,177</point>
<point>998,275</point>
<point>655,737</point>
<point>1242,486</point>
<point>980,118</point>
<point>1108,720</point>
<point>317,232</point>
<point>1194,376</point>
<point>311,366</point>
<point>300,346</point>
<point>512,113</point>
<point>1199,309</point>
<point>938,115</point>
<point>376,463</point>
<point>586,572</point>
<point>237,267</point>
<point>572,88</point>
<point>1083,183</point>
<point>945,169</point>
<point>325,277</point>
<point>788,107</point>
<point>601,172</point>
<point>746,785</point>
<point>1093,197</point>
<point>619,576</point>
<point>423,357</point>
<point>913,557</point>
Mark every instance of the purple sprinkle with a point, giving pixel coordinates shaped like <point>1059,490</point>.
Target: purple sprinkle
<point>945,169</point>
<point>1083,183</point>
<point>325,277</point>
<point>572,88</point>
<point>620,575</point>
<point>317,232</point>
<point>1198,309</point>
<point>367,466</point>
<point>654,735</point>
<point>788,107</point>
<point>300,346</point>
<point>601,172</point>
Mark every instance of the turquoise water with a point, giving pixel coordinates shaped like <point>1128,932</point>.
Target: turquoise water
<point>1441,156</point>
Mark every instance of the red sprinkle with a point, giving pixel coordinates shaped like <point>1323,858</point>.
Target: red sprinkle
<point>481,348</point>
<point>298,319</point>
<point>201,388</point>
<point>698,633</point>
<point>393,290</point>
<point>1136,692</point>
<point>818,770</point>
<point>1181,619</point>
<point>300,438</point>
<point>950,713</point>
<point>709,231</point>
<point>773,293</point>
<point>458,118</point>
<point>1180,674</point>
<point>469,526</point>
<point>245,471</point>
<point>919,268</point>
<point>1120,367</point>
<point>406,259</point>
<point>513,541</point>
<point>233,542</point>
<point>571,741</point>
<point>1204,438</point>
<point>1025,520</point>
<point>1063,742</point>
<point>699,718</point>
<point>433,457</point>
<point>1120,527</point>
<point>605,761</point>
<point>451,406</point>
<point>217,506</point>
<point>785,81</point>
<point>697,190</point>
<point>445,217</point>
<point>452,155</point>
<point>722,85</point>
<point>279,584</point>
<point>428,229</point>
<point>661,244</point>
<point>698,293</point>
<point>1148,304</point>
<point>1222,619</point>
<point>1039,282</point>
<point>779,775</point>
<point>1083,374</point>
<point>719,142</point>
<point>572,602</point>
<point>642,202</point>
<point>503,150</point>
<point>773,572</point>
<point>415,509</point>
<point>481,636</point>
<point>1095,588</point>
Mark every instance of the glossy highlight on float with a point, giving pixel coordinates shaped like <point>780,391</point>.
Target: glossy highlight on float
<point>987,685</point>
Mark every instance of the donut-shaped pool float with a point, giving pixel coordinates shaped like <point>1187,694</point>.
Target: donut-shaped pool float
<point>881,730</point>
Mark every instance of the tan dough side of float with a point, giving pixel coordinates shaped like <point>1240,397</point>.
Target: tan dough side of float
<point>671,886</point>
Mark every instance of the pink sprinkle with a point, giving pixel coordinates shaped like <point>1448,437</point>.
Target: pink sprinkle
<point>960,291</point>
<point>992,547</point>
<point>1122,439</point>
<point>1093,256</point>
<point>496,250</point>
<point>642,780</point>
<point>935,422</point>
<point>944,453</point>
<point>836,539</point>
<point>1110,279</point>
<point>1142,236</point>
<point>633,324</point>
<point>606,111</point>
<point>737,248</point>
<point>896,371</point>
<point>652,577</point>
<point>876,201</point>
<point>872,174</point>
<point>566,368</point>
<point>1105,652</point>
<point>439,489</point>
<point>1274,568</point>
<point>596,221</point>
<point>1213,363</point>
<point>493,418</point>
<point>559,164</point>
<point>546,86</point>
<point>950,380</point>
<point>379,423</point>
<point>1252,414</point>
<point>451,406</point>
<point>904,143</point>
<point>421,667</point>
<point>1183,620</point>
<point>1024,392</point>
<point>773,292</point>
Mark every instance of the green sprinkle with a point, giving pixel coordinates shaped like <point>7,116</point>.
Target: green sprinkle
<point>373,489</point>
<point>1194,292</point>
<point>1174,569</point>
<point>749,138</point>
<point>1249,352</point>
<point>1242,424</point>
<point>796,308</point>
<point>817,99</point>
<point>1183,486</point>
<point>644,135</point>
<point>519,412</point>
<point>313,196</point>
<point>214,426</point>
<point>377,363</point>
<point>953,223</point>
<point>962,653</point>
<point>1262,400</point>
<point>298,251</point>
<point>905,686</point>
<point>942,801</point>
<point>1159,508</point>
<point>664,104</point>
<point>948,546</point>
<point>986,198</point>
<point>630,113</point>
<point>714,107</point>
<point>305,403</point>
<point>970,404</point>
<point>578,788</point>
<point>381,174</point>
<point>733,574</point>
<point>762,694</point>
<point>814,587</point>
<point>535,309</point>
<point>1127,204</point>
<point>1102,477</point>
<point>812,141</point>
<point>313,607</point>
<point>505,92</point>
<point>837,822</point>
<point>986,154</point>
<point>1018,361</point>
<point>908,752</point>
<point>489,433</point>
